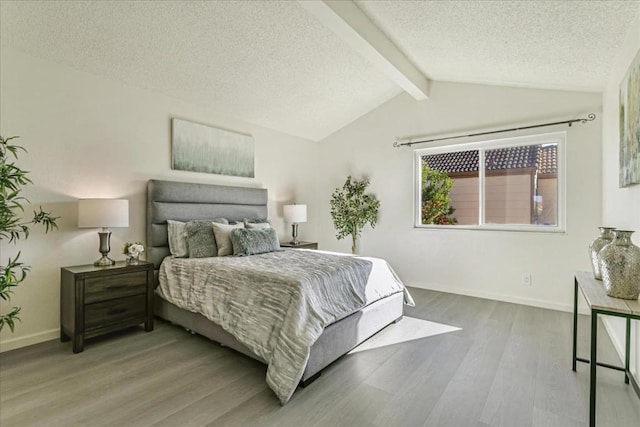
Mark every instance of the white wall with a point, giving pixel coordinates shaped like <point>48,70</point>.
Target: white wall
<point>621,206</point>
<point>480,263</point>
<point>92,137</point>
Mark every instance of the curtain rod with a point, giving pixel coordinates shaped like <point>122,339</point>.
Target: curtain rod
<point>589,118</point>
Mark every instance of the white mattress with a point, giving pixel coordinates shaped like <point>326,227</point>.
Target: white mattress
<point>383,281</point>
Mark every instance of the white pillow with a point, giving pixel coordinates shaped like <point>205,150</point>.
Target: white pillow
<point>222,233</point>
<point>177,238</point>
<point>257,225</point>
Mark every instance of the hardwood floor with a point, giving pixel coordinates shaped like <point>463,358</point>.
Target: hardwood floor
<point>510,365</point>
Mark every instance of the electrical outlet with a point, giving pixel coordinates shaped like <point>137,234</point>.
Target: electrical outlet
<point>525,280</point>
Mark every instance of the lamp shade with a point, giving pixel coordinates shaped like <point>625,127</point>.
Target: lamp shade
<point>295,214</point>
<point>96,213</point>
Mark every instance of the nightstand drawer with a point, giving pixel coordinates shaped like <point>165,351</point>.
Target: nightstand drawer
<point>108,312</point>
<point>116,286</point>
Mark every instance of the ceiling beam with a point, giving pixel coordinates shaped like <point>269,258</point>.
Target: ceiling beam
<point>348,21</point>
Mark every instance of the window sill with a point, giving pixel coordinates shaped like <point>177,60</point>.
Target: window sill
<point>512,228</point>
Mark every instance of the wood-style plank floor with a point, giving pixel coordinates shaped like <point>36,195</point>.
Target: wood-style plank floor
<point>510,365</point>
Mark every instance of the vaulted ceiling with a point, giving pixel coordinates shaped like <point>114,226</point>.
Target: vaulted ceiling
<point>280,65</point>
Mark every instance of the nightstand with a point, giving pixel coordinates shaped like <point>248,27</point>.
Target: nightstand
<point>99,300</point>
<point>301,245</point>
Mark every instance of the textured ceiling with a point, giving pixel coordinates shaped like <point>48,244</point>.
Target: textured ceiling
<point>273,64</point>
<point>543,44</point>
<point>268,63</point>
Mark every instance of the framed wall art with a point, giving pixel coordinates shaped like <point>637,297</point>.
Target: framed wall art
<point>201,148</point>
<point>630,125</point>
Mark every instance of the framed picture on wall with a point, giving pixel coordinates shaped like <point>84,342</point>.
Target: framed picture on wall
<point>201,148</point>
<point>630,125</point>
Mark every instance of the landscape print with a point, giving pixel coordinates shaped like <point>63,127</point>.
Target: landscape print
<point>630,125</point>
<point>200,148</point>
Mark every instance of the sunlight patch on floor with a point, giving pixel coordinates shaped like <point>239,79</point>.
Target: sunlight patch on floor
<point>407,329</point>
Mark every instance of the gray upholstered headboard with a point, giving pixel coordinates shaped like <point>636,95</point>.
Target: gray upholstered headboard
<point>182,201</point>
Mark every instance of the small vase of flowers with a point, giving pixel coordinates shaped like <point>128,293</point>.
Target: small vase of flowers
<point>133,251</point>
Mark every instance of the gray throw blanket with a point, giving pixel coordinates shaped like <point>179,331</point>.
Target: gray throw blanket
<point>277,303</point>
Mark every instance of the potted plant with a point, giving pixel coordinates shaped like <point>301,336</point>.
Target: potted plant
<point>352,210</point>
<point>12,226</point>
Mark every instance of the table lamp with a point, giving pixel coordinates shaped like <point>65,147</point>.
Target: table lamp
<point>103,213</point>
<point>295,214</point>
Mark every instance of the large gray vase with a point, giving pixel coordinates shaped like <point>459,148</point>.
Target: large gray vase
<point>620,266</point>
<point>606,237</point>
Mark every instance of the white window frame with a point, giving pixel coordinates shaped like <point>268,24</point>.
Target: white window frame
<point>559,138</point>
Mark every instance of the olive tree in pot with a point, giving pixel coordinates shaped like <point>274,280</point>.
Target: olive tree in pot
<point>352,210</point>
<point>12,226</point>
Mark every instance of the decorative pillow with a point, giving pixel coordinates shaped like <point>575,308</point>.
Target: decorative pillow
<point>201,242</point>
<point>222,233</point>
<point>253,242</point>
<point>257,225</point>
<point>177,238</point>
<point>255,221</point>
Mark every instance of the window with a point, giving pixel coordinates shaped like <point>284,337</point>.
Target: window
<point>520,185</point>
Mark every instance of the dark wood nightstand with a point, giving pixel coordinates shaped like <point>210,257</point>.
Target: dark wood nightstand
<point>99,300</point>
<point>301,245</point>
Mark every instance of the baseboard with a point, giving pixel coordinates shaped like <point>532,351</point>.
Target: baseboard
<point>501,297</point>
<point>12,344</point>
<point>617,344</point>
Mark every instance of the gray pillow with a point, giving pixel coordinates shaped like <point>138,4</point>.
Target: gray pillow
<point>254,241</point>
<point>255,221</point>
<point>177,234</point>
<point>222,233</point>
<point>201,242</point>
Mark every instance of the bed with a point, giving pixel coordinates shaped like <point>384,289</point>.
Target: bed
<point>178,201</point>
